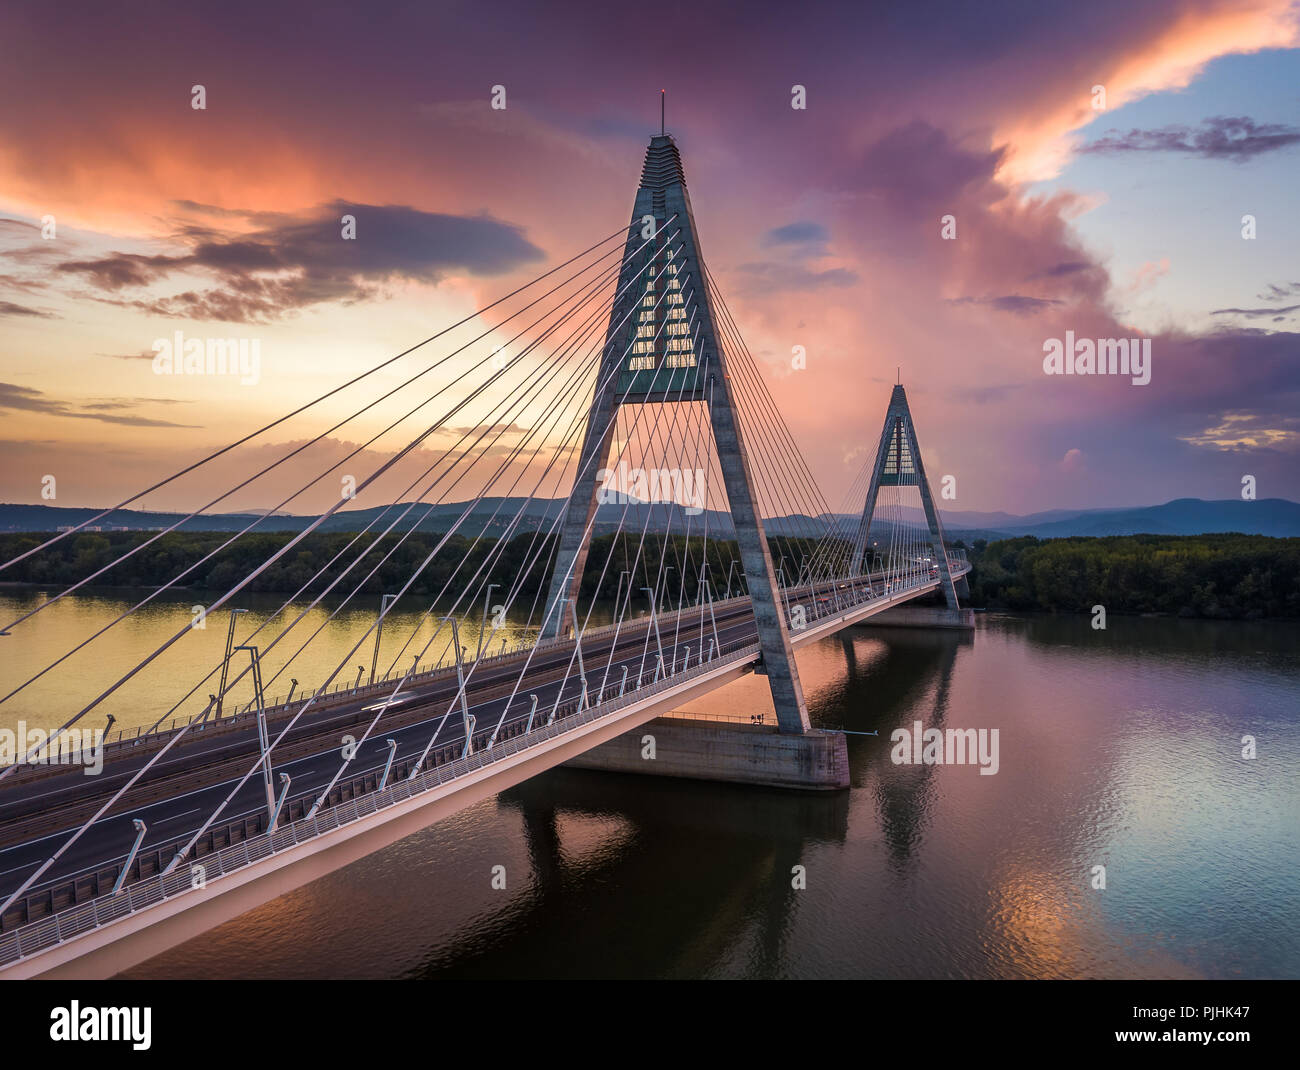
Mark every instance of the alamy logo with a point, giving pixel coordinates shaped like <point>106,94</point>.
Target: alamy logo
<point>1105,356</point>
<point>624,485</point>
<point>179,355</point>
<point>76,1022</point>
<point>76,746</point>
<point>955,746</point>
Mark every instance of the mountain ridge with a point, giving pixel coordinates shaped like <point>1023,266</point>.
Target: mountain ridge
<point>1277,517</point>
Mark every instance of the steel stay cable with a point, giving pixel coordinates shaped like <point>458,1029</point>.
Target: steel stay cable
<point>388,701</point>
<point>356,379</point>
<point>184,851</point>
<point>494,423</point>
<point>159,590</point>
<point>587,533</point>
<point>176,738</point>
<point>320,572</point>
<point>319,520</point>
<point>615,368</point>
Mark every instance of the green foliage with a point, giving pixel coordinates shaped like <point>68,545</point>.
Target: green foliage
<point>526,559</point>
<point>1218,576</point>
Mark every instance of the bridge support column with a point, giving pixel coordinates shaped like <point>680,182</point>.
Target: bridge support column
<point>698,375</point>
<point>923,617</point>
<point>898,463</point>
<point>727,752</point>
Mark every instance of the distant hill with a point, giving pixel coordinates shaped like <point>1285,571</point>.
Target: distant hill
<point>1184,516</point>
<point>491,516</point>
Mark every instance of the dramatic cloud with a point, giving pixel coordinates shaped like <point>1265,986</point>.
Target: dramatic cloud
<point>115,272</point>
<point>1015,303</point>
<point>8,308</point>
<point>1253,312</point>
<point>918,167</point>
<point>1222,138</point>
<point>1148,275</point>
<point>108,410</point>
<point>293,263</point>
<point>1280,293</point>
<point>767,277</point>
<point>14,282</point>
<point>801,233</point>
<point>1249,431</point>
<point>822,226</point>
<point>1073,461</point>
<point>1056,271</point>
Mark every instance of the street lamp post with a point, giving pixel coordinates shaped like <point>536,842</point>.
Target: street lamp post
<point>618,595</point>
<point>482,628</point>
<point>140,829</point>
<point>264,735</point>
<point>279,806</point>
<point>716,643</point>
<point>663,592</point>
<point>384,603</point>
<point>225,665</point>
<point>388,765</point>
<point>460,674</point>
<point>577,644</point>
<point>654,621</point>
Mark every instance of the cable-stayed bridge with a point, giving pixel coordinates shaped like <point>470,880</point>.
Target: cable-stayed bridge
<point>617,379</point>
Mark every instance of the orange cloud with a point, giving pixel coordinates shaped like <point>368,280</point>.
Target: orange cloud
<point>1041,139</point>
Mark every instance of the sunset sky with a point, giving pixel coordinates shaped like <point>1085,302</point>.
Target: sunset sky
<point>822,226</point>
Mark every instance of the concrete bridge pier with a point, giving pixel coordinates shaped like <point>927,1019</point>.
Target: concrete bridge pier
<point>730,752</point>
<point>924,617</point>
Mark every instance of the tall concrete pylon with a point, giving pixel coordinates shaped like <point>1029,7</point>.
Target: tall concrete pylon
<point>898,464</point>
<point>655,353</point>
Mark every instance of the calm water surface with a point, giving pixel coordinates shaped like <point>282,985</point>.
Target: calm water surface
<point>1119,748</point>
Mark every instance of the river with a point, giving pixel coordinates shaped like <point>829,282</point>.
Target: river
<point>1120,749</point>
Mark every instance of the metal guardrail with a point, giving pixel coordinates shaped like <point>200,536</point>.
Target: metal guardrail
<point>56,928</point>
<point>125,738</point>
<point>278,707</point>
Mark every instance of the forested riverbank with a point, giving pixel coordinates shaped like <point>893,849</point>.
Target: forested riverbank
<point>1243,577</point>
<point>519,565</point>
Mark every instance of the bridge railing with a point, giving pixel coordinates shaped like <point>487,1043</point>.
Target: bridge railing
<point>282,706</point>
<point>74,921</point>
<point>568,716</point>
<point>278,707</point>
<point>857,588</point>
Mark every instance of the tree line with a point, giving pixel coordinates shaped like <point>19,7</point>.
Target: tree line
<point>524,561</point>
<point>1226,576</point>
<point>1216,576</point>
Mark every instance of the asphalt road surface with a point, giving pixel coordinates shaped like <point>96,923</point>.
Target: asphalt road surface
<point>183,789</point>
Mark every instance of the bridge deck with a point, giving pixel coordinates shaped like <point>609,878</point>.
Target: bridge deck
<point>450,779</point>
